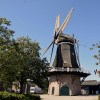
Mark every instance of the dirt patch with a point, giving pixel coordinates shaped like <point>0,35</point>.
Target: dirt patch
<point>51,97</point>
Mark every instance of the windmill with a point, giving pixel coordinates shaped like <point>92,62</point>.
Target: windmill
<point>58,31</point>
<point>65,72</point>
<point>58,36</point>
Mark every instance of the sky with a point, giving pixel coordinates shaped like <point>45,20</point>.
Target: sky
<point>36,19</point>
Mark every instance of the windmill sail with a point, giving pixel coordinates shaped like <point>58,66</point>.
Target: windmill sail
<point>77,53</point>
<point>47,48</point>
<point>56,29</point>
<point>57,23</point>
<point>65,22</point>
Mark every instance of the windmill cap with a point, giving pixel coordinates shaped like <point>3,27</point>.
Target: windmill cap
<point>66,38</point>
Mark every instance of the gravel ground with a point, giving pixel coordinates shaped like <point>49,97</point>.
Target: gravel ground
<point>50,97</point>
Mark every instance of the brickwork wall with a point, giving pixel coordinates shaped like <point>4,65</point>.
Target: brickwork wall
<point>69,80</point>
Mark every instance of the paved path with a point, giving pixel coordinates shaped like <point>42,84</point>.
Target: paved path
<point>50,97</point>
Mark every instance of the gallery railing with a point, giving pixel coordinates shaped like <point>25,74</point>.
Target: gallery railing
<point>68,69</point>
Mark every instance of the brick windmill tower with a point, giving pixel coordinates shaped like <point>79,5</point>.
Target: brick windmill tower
<point>65,72</point>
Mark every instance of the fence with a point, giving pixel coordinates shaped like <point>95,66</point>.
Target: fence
<point>68,69</point>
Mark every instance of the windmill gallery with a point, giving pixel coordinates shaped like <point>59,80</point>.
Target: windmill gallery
<point>65,72</point>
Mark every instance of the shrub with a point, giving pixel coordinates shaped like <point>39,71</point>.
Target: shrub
<point>14,96</point>
<point>44,92</point>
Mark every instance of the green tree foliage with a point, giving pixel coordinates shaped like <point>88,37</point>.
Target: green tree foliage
<point>5,33</point>
<point>29,63</point>
<point>20,59</point>
<point>5,41</point>
<point>96,56</point>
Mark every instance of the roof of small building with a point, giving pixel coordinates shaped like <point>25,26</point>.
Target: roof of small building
<point>90,82</point>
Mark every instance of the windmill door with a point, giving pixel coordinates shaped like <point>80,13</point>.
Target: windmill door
<point>53,88</point>
<point>64,91</point>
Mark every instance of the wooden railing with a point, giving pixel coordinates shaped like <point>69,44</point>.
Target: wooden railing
<point>69,69</point>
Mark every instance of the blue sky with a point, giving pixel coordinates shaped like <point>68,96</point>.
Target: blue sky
<point>36,19</point>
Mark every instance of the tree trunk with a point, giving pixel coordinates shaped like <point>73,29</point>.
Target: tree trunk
<point>5,86</point>
<point>21,86</point>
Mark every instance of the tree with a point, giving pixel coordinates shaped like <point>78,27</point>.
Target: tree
<point>96,56</point>
<point>41,74</point>
<point>29,63</point>
<point>5,40</point>
<point>26,63</point>
<point>20,59</point>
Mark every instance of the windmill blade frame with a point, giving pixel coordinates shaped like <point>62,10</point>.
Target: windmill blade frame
<point>57,24</point>
<point>77,51</point>
<point>65,22</point>
<point>55,31</point>
<point>47,48</point>
<point>51,52</point>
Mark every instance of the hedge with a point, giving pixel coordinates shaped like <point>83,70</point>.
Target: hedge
<point>14,96</point>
